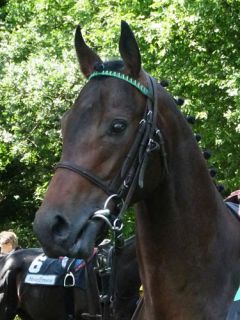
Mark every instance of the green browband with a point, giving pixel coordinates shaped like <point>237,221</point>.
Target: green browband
<point>124,77</point>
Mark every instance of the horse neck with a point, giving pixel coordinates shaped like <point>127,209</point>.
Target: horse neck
<point>185,206</point>
<point>180,226</point>
<point>182,230</point>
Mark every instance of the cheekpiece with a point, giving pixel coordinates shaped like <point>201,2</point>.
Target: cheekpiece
<point>114,74</point>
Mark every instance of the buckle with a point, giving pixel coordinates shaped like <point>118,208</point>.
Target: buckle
<point>152,146</point>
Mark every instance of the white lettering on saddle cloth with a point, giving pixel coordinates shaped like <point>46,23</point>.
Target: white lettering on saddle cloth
<point>34,278</point>
<point>48,280</point>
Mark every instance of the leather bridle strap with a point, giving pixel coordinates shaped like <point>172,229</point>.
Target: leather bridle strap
<point>86,174</point>
<point>137,170</point>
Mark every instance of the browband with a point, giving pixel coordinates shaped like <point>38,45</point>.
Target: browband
<point>145,91</point>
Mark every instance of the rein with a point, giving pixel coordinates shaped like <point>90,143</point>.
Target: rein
<point>148,139</point>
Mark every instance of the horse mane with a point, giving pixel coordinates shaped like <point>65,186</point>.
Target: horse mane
<point>111,65</point>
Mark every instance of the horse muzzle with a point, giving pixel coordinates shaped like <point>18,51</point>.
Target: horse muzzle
<point>59,236</point>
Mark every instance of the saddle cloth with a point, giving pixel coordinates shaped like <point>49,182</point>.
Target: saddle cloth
<point>234,207</point>
<point>233,203</point>
<point>57,272</point>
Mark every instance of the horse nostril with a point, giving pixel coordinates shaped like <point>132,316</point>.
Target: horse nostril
<point>60,227</point>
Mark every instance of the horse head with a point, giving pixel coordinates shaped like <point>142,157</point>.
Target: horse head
<point>108,136</point>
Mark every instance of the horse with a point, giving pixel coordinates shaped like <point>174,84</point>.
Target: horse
<point>126,143</point>
<point>34,302</point>
<point>37,302</point>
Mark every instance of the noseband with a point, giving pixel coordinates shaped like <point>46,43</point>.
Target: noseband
<point>148,139</point>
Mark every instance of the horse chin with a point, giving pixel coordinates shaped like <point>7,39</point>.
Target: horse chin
<point>83,246</point>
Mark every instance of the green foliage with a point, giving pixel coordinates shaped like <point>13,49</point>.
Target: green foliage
<point>23,229</point>
<point>194,44</point>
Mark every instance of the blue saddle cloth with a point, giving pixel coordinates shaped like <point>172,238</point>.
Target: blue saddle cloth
<point>234,207</point>
<point>56,272</point>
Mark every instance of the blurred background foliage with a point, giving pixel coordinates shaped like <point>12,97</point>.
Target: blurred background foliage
<point>192,43</point>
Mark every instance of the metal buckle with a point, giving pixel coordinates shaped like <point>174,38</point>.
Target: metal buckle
<point>152,146</point>
<point>115,226</point>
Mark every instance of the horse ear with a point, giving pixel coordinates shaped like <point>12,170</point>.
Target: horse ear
<point>87,57</point>
<point>129,50</point>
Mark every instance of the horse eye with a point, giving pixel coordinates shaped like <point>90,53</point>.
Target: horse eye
<point>118,126</point>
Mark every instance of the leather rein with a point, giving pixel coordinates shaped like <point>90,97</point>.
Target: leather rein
<point>148,139</point>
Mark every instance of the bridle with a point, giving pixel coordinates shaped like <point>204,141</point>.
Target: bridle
<point>148,139</point>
